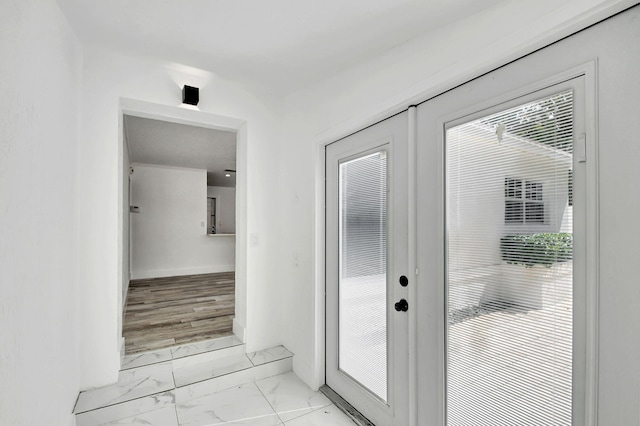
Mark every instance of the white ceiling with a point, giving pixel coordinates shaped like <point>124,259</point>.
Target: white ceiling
<point>179,145</point>
<point>280,45</point>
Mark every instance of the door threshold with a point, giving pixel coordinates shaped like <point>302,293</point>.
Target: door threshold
<point>345,407</point>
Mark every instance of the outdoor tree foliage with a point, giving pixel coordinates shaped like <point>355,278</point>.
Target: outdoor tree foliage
<point>548,121</point>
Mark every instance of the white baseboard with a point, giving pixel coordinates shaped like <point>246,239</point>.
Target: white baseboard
<point>239,330</point>
<point>159,273</point>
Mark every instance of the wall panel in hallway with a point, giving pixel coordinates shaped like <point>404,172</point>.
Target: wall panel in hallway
<point>39,290</point>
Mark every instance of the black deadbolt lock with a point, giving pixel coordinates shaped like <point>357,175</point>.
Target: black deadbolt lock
<point>404,281</point>
<point>402,305</point>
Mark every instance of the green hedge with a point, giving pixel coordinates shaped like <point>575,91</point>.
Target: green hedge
<point>537,249</point>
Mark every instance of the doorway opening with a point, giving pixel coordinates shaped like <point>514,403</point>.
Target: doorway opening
<point>180,262</point>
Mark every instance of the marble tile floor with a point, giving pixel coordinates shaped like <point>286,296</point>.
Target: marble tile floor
<point>207,383</point>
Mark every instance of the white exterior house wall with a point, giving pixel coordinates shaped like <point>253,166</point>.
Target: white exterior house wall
<point>476,170</point>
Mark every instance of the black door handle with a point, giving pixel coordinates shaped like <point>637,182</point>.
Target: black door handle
<point>402,305</point>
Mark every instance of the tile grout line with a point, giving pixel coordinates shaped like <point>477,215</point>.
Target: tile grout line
<point>73,410</point>
<point>124,402</point>
<point>175,410</point>
<point>312,411</point>
<point>212,378</point>
<point>145,365</point>
<point>175,386</point>
<point>255,383</point>
<point>250,360</point>
<point>136,385</point>
<point>174,403</point>
<point>204,352</point>
<point>232,372</point>
<point>296,417</point>
<point>172,356</point>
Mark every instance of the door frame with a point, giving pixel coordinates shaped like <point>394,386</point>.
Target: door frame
<point>589,71</point>
<point>191,117</point>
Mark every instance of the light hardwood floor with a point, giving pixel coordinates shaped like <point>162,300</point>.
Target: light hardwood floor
<point>162,312</point>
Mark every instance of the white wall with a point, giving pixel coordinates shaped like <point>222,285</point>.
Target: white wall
<point>167,234</point>
<point>39,116</point>
<point>225,208</point>
<point>443,59</point>
<point>109,76</point>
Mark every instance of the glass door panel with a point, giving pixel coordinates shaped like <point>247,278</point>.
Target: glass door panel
<point>509,276</point>
<point>363,271</point>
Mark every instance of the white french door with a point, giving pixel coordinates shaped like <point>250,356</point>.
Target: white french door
<point>366,256</point>
<point>501,249</point>
<point>507,248</point>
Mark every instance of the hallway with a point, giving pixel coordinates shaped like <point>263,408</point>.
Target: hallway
<point>290,80</point>
<point>163,312</point>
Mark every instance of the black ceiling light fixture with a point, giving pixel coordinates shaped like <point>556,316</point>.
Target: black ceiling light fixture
<point>190,95</point>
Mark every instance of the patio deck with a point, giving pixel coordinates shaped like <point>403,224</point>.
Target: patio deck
<point>508,367</point>
<point>506,364</point>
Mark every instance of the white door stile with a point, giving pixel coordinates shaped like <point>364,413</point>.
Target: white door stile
<point>389,136</point>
